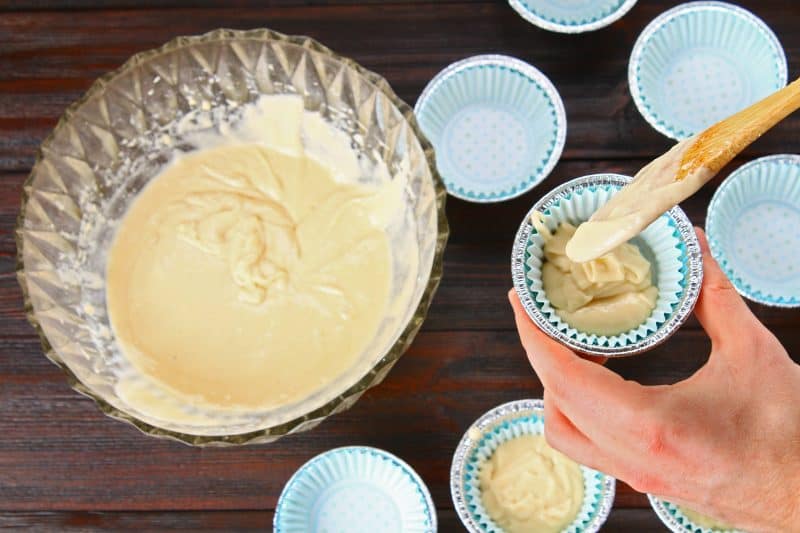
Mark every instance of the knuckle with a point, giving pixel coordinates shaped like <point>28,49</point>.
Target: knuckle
<point>656,437</point>
<point>551,436</point>
<point>554,432</point>
<point>555,385</point>
<point>573,366</point>
<point>726,300</point>
<point>562,383</point>
<point>721,287</point>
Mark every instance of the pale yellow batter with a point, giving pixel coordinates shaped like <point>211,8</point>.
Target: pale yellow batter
<point>705,521</point>
<point>653,191</point>
<point>247,277</point>
<point>606,296</point>
<point>528,487</point>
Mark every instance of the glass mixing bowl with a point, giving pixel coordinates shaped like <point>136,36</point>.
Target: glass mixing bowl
<point>110,143</point>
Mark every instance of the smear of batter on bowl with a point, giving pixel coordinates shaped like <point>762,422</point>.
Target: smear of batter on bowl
<point>527,486</point>
<point>605,296</point>
<point>250,274</point>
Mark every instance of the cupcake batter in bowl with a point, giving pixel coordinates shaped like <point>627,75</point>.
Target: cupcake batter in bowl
<point>250,275</point>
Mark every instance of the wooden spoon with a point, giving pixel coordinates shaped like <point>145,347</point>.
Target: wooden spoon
<point>676,175</point>
<point>719,144</point>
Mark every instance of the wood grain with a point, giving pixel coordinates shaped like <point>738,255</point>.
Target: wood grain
<point>65,466</point>
<point>48,59</point>
<point>58,452</point>
<point>472,295</point>
<point>84,5</point>
<point>620,521</point>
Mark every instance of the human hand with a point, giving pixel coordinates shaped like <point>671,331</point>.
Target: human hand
<point>724,442</point>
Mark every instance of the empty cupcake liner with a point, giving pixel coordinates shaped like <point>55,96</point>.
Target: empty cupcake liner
<point>677,521</point>
<point>669,243</point>
<point>752,228</point>
<point>503,423</point>
<point>700,62</point>
<point>572,17</point>
<point>497,124</point>
<point>355,489</point>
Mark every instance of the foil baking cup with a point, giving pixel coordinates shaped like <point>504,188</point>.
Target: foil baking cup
<point>677,522</point>
<point>503,423</point>
<point>572,17</point>
<point>752,228</point>
<point>669,243</point>
<point>355,489</point>
<point>700,62</point>
<point>497,124</point>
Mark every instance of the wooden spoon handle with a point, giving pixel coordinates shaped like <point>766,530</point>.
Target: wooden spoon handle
<point>716,146</point>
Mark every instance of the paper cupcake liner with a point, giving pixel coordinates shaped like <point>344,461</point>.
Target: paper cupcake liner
<point>355,489</point>
<point>752,227</point>
<point>498,126</point>
<point>503,423</point>
<point>669,243</point>
<point>677,522</point>
<point>578,17</point>
<point>700,62</point>
<point>661,239</point>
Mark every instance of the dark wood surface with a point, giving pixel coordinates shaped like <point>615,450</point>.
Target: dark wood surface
<point>622,520</point>
<point>64,465</point>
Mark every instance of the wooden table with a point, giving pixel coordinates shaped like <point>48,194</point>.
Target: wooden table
<point>65,465</point>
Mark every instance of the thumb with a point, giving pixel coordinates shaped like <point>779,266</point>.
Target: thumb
<point>721,311</point>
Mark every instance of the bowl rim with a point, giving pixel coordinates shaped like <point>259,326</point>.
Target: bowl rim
<point>560,27</point>
<point>671,324</point>
<point>488,420</point>
<point>345,398</point>
<point>659,123</point>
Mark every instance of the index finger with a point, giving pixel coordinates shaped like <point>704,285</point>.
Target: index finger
<point>588,392</point>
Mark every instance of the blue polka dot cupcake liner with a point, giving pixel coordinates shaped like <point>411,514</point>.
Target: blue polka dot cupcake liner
<point>669,243</point>
<point>352,490</point>
<point>497,124</point>
<point>501,424</point>
<point>700,62</point>
<point>752,227</point>
<point>572,17</point>
<point>677,522</point>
